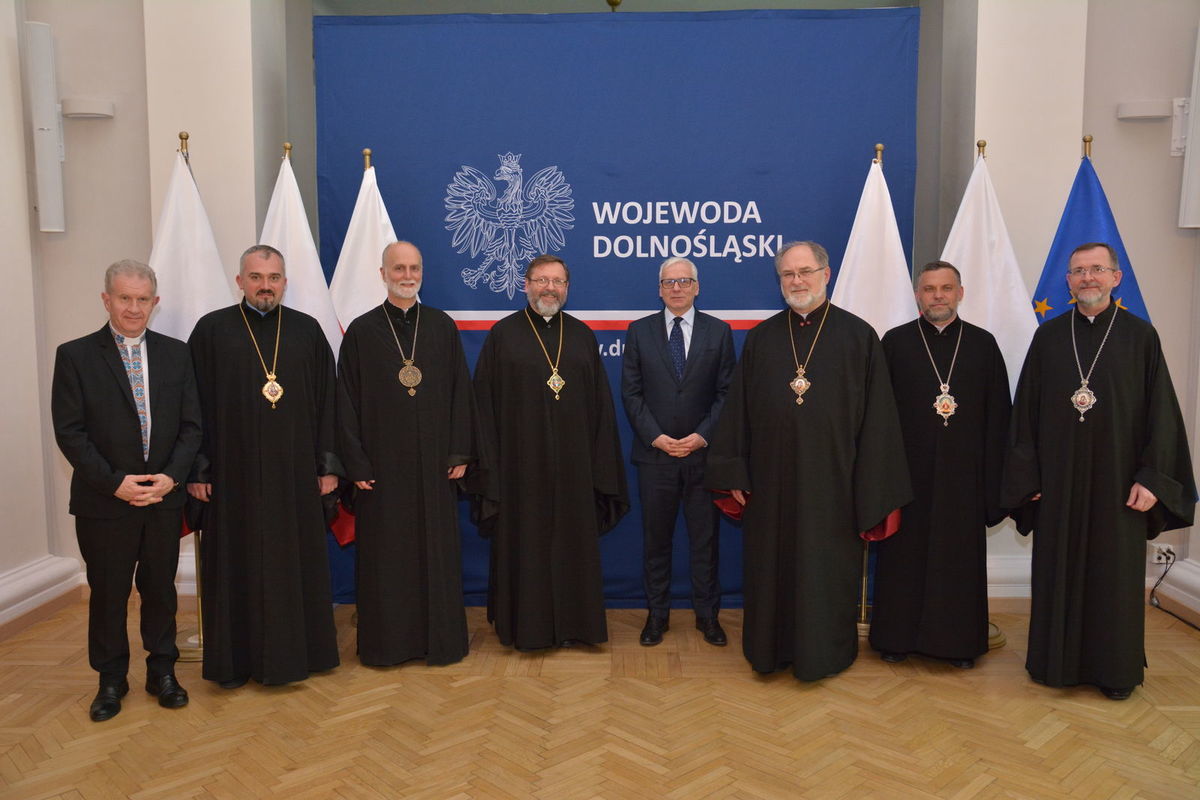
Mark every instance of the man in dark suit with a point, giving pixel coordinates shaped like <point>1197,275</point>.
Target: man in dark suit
<point>677,368</point>
<point>127,417</point>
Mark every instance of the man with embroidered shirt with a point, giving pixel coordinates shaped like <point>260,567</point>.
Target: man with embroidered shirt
<point>266,380</point>
<point>951,390</point>
<point>127,417</point>
<point>809,443</point>
<point>1098,462</point>
<point>557,478</point>
<point>674,375</point>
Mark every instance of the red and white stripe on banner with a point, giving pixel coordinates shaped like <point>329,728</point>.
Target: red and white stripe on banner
<point>739,320</point>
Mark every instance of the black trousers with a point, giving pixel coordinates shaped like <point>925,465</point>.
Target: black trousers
<point>145,544</point>
<point>664,488</point>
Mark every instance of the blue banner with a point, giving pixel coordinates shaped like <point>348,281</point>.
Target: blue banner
<point>614,141</point>
<point>1086,218</point>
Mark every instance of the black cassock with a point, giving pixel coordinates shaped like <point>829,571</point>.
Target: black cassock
<point>268,610</point>
<point>931,577</point>
<point>820,474</point>
<point>1089,549</point>
<point>557,480</point>
<point>410,602</point>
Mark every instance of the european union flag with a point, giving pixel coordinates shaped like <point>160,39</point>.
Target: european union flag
<point>1087,218</point>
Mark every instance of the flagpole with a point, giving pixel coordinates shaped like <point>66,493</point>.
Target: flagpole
<point>287,150</point>
<point>366,158</point>
<point>981,145</point>
<point>864,627</point>
<point>1087,146</point>
<point>183,140</point>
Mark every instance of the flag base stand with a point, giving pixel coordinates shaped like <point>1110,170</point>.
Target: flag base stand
<point>191,648</point>
<point>190,641</point>
<point>996,637</point>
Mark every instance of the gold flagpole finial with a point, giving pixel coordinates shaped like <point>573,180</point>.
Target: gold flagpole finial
<point>183,137</point>
<point>612,4</point>
<point>879,153</point>
<point>287,150</point>
<point>366,158</point>
<point>982,145</point>
<point>1087,146</point>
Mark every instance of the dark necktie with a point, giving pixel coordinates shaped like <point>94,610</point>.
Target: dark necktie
<point>676,342</point>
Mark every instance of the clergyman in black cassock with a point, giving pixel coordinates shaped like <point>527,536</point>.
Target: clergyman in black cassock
<point>406,439</point>
<point>814,476</point>
<point>556,471</point>
<point>1094,480</point>
<point>675,373</point>
<point>931,577</point>
<point>267,392</point>
<point>125,493</point>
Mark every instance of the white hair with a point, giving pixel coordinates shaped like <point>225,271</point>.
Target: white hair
<point>670,262</point>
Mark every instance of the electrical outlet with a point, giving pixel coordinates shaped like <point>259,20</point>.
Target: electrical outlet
<point>1163,554</point>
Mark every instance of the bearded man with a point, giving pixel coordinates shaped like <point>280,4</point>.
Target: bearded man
<point>556,475</point>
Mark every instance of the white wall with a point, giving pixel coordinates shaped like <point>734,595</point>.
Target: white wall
<point>29,573</point>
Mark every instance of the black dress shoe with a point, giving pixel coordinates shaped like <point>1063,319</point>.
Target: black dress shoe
<point>713,634</point>
<point>1116,694</point>
<point>234,683</point>
<point>893,658</point>
<point>962,663</point>
<point>170,694</point>
<point>107,703</point>
<point>653,632</point>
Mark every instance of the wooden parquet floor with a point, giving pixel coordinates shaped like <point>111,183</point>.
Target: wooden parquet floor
<point>681,720</point>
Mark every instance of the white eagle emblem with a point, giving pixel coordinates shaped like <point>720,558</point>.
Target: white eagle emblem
<point>528,219</point>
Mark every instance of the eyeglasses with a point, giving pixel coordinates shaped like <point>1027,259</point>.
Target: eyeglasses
<point>1079,272</point>
<point>542,283</point>
<point>805,273</point>
<point>667,283</point>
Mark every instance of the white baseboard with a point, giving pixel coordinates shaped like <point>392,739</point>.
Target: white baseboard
<point>1009,576</point>
<point>1181,588</point>
<point>32,585</point>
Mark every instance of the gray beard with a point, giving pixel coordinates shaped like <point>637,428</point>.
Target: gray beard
<point>938,317</point>
<point>546,307</point>
<point>263,304</point>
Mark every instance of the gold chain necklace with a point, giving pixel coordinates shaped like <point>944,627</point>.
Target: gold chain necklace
<point>409,375</point>
<point>1084,398</point>
<point>801,384</point>
<point>555,381</point>
<point>271,389</point>
<point>944,405</point>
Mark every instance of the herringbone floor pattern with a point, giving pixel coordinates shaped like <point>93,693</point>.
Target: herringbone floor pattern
<point>681,720</point>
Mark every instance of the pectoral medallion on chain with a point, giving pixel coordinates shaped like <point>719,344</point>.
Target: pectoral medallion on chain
<point>555,382</point>
<point>945,405</point>
<point>410,377</point>
<point>272,390</point>
<point>1083,399</point>
<point>800,385</point>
